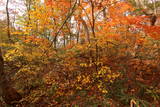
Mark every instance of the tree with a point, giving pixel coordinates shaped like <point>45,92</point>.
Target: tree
<point>9,94</point>
<point>8,20</point>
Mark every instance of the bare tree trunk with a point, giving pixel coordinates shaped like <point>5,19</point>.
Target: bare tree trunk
<point>69,26</point>
<point>78,33</point>
<point>9,94</point>
<point>86,29</point>
<point>8,20</point>
<point>93,30</point>
<point>64,41</point>
<point>55,42</point>
<point>69,30</point>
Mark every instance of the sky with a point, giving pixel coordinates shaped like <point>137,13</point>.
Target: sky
<point>15,6</point>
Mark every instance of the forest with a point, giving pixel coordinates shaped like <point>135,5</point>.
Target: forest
<point>79,53</point>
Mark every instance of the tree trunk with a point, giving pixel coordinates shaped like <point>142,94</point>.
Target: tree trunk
<point>8,20</point>
<point>9,94</point>
<point>86,29</point>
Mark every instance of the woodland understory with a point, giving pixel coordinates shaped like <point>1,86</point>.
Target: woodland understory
<point>80,53</point>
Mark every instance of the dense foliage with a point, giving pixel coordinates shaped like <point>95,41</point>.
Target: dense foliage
<point>84,53</point>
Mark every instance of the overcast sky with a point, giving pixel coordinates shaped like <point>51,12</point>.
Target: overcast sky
<point>15,6</point>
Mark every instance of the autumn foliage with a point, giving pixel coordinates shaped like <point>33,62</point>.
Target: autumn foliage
<point>84,53</point>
